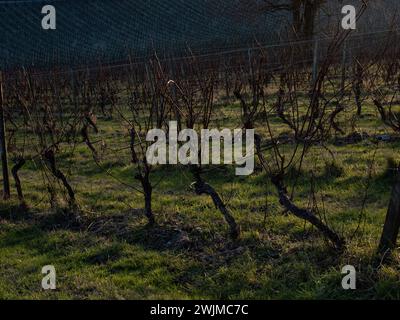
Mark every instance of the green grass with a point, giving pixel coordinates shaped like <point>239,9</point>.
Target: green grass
<point>113,255</point>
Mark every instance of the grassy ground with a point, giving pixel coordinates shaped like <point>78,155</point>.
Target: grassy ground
<point>188,254</point>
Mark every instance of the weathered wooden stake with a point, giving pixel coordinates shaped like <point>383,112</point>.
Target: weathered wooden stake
<point>3,145</point>
<point>344,60</point>
<point>315,61</point>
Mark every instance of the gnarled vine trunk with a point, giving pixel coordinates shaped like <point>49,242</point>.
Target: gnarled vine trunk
<point>19,163</point>
<point>392,223</point>
<point>201,188</point>
<point>307,215</point>
<point>49,156</point>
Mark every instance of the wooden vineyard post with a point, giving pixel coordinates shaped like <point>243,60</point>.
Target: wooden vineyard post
<point>249,57</point>
<point>344,60</point>
<point>315,61</point>
<point>392,223</point>
<point>3,145</point>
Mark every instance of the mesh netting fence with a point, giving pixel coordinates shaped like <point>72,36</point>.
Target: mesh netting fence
<point>108,30</point>
<point>93,32</point>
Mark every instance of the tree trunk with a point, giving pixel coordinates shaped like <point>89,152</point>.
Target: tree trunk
<point>203,188</point>
<point>392,223</point>
<point>49,155</point>
<point>14,170</point>
<point>307,215</point>
<point>86,139</point>
<point>148,191</point>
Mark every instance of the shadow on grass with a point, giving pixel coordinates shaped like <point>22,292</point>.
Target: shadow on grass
<point>15,212</point>
<point>203,265</point>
